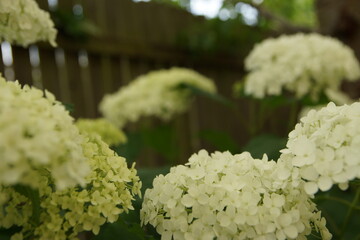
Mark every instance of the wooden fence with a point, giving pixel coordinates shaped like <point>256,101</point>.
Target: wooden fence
<point>135,38</point>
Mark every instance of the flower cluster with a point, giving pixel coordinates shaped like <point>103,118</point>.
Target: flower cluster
<point>303,64</point>
<point>109,190</point>
<point>155,94</point>
<point>106,130</point>
<point>23,22</point>
<point>324,146</point>
<point>226,196</point>
<point>38,133</point>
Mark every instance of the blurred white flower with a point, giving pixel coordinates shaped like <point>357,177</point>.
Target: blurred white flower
<point>36,132</point>
<point>23,22</point>
<point>157,93</point>
<point>303,64</point>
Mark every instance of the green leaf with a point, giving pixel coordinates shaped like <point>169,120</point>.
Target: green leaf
<point>308,101</point>
<point>5,234</point>
<point>69,107</point>
<point>265,143</point>
<point>123,230</point>
<point>334,210</point>
<point>34,197</point>
<point>213,96</point>
<point>222,141</point>
<point>128,226</point>
<point>132,148</point>
<point>274,102</point>
<point>147,175</point>
<point>162,140</point>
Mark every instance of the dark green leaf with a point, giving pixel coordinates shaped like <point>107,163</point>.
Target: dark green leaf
<point>222,141</point>
<point>132,148</point>
<point>147,175</point>
<point>162,140</point>
<point>69,107</point>
<point>213,96</point>
<point>265,143</point>
<point>34,197</point>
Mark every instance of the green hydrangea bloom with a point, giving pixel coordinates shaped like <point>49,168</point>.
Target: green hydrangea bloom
<point>106,130</point>
<point>109,191</point>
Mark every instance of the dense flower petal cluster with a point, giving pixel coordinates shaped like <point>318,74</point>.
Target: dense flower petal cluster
<point>154,94</point>
<point>23,22</point>
<point>226,196</point>
<point>324,146</point>
<point>36,132</point>
<point>301,64</point>
<point>102,127</point>
<point>109,191</point>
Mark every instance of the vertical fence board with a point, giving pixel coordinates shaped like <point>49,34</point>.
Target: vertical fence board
<point>125,19</point>
<point>49,71</point>
<point>75,84</point>
<point>125,69</point>
<point>95,73</point>
<point>106,74</point>
<point>117,79</point>
<point>22,65</point>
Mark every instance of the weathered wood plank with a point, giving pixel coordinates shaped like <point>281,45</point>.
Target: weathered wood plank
<point>22,65</point>
<point>49,72</point>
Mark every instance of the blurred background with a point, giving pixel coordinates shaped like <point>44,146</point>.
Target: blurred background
<point>104,45</point>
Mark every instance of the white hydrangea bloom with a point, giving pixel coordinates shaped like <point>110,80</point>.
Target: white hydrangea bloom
<point>302,64</point>
<point>23,22</point>
<point>153,94</point>
<point>325,147</point>
<point>226,196</point>
<point>36,132</point>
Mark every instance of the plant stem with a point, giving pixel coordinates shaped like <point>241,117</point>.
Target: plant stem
<point>350,211</point>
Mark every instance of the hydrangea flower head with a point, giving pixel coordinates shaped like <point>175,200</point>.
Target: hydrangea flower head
<point>36,132</point>
<point>109,191</point>
<point>106,130</point>
<point>303,64</point>
<point>224,196</point>
<point>23,22</point>
<point>154,94</point>
<point>325,147</point>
